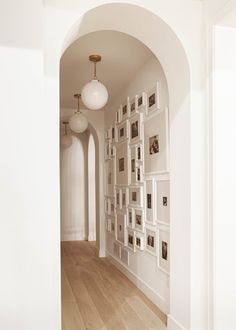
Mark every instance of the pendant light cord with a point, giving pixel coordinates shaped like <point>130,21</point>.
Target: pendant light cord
<point>77,96</point>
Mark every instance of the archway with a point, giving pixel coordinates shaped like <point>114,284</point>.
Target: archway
<point>160,38</point>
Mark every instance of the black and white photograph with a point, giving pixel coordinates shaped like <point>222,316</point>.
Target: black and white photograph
<point>153,144</point>
<point>130,217</point>
<point>139,241</point>
<point>151,240</point>
<point>134,196</point>
<point>153,99</point>
<point>133,165</point>
<point>130,239</point>
<point>141,102</point>
<point>121,224</point>
<point>124,110</point>
<point>132,106</point>
<point>149,201</point>
<point>151,244</point>
<point>121,164</point>
<point>134,129</point>
<point>164,248</point>
<point>122,132</point>
<point>163,201</point>
<point>139,219</point>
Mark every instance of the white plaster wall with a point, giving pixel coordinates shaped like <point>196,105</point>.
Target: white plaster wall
<point>73,191</point>
<point>224,178</point>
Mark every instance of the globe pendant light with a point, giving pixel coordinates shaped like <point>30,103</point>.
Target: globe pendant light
<point>78,122</point>
<point>66,140</point>
<point>94,93</point>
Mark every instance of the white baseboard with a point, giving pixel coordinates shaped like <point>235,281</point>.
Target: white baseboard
<point>102,253</point>
<point>158,300</point>
<point>172,324</point>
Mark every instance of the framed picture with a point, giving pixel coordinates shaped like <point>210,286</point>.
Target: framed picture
<point>139,241</point>
<point>118,198</point>
<point>112,151</point>
<point>136,196</point>
<point>106,205</point>
<point>130,217</point>
<point>113,226</point>
<point>124,256</point>
<point>139,219</point>
<point>133,106</point>
<point>141,102</point>
<point>156,147</point>
<point>125,108</point>
<point>109,170</point>
<point>151,241</point>
<point>164,250</point>
<point>131,239</point>
<point>113,133</point>
<point>117,250</point>
<point>136,133</point>
<point>150,201</point>
<point>139,152</point>
<point>111,206</point>
<point>118,116</point>
<point>121,227</point>
<point>124,198</point>
<point>122,164</point>
<point>153,99</point>
<point>107,150</point>
<point>123,131</point>
<point>139,173</point>
<point>132,159</point>
<point>163,201</point>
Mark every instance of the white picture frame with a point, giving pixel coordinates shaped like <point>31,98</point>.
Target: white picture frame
<point>125,109</point>
<point>132,161</point>
<point>163,201</point>
<point>156,143</point>
<point>164,250</point>
<point>139,241</point>
<point>131,240</point>
<point>121,227</point>
<point>139,219</point>
<point>153,99</point>
<point>136,195</point>
<point>118,116</point>
<point>135,126</point>
<point>123,131</point>
<point>111,206</point>
<point>133,106</point>
<point>122,172</point>
<point>141,102</point>
<point>150,204</point>
<point>108,224</point>
<point>139,173</point>
<point>124,198</point>
<point>151,241</point>
<point>110,177</point>
<point>106,205</point>
<point>118,199</point>
<point>130,217</point>
<point>117,250</point>
<point>139,152</point>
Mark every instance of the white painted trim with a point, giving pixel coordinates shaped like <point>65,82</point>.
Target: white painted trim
<point>102,253</point>
<point>172,324</point>
<point>158,300</point>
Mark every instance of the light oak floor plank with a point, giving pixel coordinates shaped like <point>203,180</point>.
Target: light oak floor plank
<point>96,295</point>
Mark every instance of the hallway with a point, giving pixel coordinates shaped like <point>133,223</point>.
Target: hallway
<point>95,295</point>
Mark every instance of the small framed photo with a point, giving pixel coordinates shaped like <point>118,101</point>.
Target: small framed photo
<point>113,226</point>
<point>131,240</point>
<point>112,151</point>
<point>132,153</point>
<point>164,250</point>
<point>135,128</point>
<point>121,228</point>
<point>124,256</point>
<point>139,219</point>
<point>109,170</point>
<point>124,198</point>
<point>133,106</point>
<point>122,173</point>
<point>125,109</point>
<point>156,145</point>
<point>139,174</point>
<point>136,196</point>
<point>163,201</point>
<point>123,131</point>
<point>113,134</point>
<point>130,217</point>
<point>151,241</point>
<point>117,250</point>
<point>153,99</point>
<point>139,241</point>
<point>118,116</point>
<point>150,201</point>
<point>118,198</point>
<point>139,152</point>
<point>141,102</point>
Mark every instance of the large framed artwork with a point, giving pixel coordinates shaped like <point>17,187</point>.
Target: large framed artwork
<point>164,249</point>
<point>136,196</point>
<point>139,219</point>
<point>151,241</point>
<point>121,227</point>
<point>163,201</point>
<point>153,99</point>
<point>156,144</point>
<point>136,132</point>
<point>150,201</point>
<point>122,164</point>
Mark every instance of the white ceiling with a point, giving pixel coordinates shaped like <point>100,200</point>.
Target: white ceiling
<point>122,57</point>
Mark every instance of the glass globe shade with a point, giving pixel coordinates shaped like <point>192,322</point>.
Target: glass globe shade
<point>94,95</point>
<point>66,141</point>
<point>78,122</point>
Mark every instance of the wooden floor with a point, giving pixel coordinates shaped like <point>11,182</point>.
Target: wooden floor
<point>95,295</point>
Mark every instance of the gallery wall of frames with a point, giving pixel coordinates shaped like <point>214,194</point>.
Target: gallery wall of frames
<point>137,179</point>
